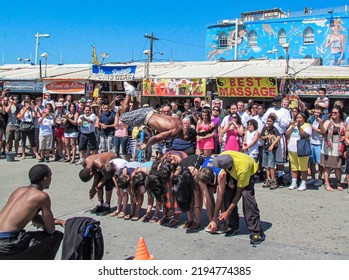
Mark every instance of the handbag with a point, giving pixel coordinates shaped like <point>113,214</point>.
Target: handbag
<point>303,147</point>
<point>26,126</point>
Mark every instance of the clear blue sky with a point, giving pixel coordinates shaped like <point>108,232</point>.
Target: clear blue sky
<point>118,27</point>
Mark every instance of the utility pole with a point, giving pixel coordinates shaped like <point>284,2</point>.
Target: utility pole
<point>152,39</point>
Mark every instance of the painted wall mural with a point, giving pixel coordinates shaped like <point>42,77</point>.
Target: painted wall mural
<point>308,37</point>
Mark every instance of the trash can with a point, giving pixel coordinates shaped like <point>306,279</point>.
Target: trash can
<point>10,156</point>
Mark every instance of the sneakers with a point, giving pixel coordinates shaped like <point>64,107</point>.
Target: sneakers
<point>256,239</point>
<point>104,211</point>
<point>222,227</point>
<point>273,185</point>
<point>130,90</point>
<point>231,232</point>
<point>293,186</point>
<point>79,162</point>
<point>266,183</point>
<point>302,187</point>
<point>47,160</point>
<point>96,210</point>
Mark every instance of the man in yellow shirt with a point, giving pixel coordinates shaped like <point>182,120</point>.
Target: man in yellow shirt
<point>241,168</point>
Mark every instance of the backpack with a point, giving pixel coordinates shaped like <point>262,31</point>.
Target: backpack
<point>83,239</point>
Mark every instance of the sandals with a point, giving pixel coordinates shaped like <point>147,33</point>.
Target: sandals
<point>172,223</point>
<point>134,219</point>
<point>145,218</point>
<point>154,219</point>
<point>128,217</point>
<point>328,188</point>
<point>121,215</point>
<point>115,213</point>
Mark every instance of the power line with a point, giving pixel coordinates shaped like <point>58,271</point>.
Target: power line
<point>182,43</point>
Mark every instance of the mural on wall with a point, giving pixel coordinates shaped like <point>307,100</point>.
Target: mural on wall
<point>308,37</point>
<point>220,52</point>
<point>174,87</point>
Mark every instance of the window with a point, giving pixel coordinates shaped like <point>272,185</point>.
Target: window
<point>308,36</point>
<point>252,38</point>
<point>223,40</point>
<point>282,36</point>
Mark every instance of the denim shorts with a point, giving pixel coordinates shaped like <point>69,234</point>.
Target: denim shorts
<point>268,160</point>
<point>315,154</point>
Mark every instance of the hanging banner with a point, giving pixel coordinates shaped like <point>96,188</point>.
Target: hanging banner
<point>247,87</point>
<point>174,87</point>
<point>24,86</point>
<point>113,73</point>
<point>64,87</point>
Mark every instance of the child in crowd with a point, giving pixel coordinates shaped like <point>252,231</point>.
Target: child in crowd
<point>271,137</point>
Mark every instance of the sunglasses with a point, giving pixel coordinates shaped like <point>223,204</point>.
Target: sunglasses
<point>215,110</point>
<point>234,117</point>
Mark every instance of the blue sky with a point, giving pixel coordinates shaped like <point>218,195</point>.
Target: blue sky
<point>118,27</point>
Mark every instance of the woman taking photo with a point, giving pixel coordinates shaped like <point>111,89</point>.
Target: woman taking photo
<point>297,130</point>
<point>27,129</point>
<point>71,133</point>
<point>333,146</point>
<point>217,122</point>
<point>205,134</point>
<point>234,131</point>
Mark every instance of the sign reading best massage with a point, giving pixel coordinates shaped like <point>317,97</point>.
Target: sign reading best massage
<point>247,87</point>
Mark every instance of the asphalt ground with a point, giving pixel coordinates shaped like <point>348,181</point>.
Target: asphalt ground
<point>308,225</point>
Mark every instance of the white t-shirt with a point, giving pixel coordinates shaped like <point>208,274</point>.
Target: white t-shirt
<point>46,126</point>
<point>294,137</point>
<point>283,118</point>
<point>315,137</point>
<point>119,164</point>
<point>87,127</point>
<point>253,151</point>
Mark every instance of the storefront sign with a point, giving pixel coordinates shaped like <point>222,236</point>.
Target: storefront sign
<point>113,73</point>
<point>64,87</point>
<point>30,86</point>
<point>311,86</point>
<point>247,87</point>
<point>174,87</point>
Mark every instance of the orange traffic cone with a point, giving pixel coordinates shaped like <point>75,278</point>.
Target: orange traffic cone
<point>142,251</point>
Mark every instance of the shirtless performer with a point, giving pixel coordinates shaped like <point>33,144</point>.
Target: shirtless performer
<point>168,127</point>
<point>102,170</point>
<point>24,206</point>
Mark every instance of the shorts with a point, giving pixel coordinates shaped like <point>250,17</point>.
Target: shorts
<point>106,143</point>
<point>298,163</point>
<point>137,117</point>
<point>108,185</point>
<point>315,154</point>
<point>12,133</point>
<point>268,160</point>
<point>71,134</point>
<point>45,142</point>
<point>88,140</point>
<point>59,132</point>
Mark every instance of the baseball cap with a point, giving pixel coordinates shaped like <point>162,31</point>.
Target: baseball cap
<point>207,106</point>
<point>83,100</point>
<point>223,161</point>
<point>59,104</point>
<point>197,99</point>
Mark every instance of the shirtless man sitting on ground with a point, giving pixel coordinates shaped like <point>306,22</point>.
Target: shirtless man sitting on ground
<point>23,207</point>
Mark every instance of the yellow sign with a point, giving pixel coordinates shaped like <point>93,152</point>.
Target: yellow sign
<point>247,87</point>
